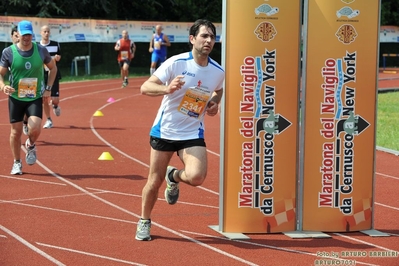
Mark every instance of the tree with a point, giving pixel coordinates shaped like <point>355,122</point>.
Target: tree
<point>390,12</point>
<point>145,10</point>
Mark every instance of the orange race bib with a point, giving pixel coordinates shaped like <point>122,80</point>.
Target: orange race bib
<point>194,101</point>
<point>27,88</point>
<point>124,54</point>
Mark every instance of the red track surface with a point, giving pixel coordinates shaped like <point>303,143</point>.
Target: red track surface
<point>72,209</point>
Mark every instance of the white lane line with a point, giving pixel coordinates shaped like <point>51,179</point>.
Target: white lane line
<point>158,199</point>
<point>29,245</point>
<point>273,247</point>
<point>32,180</point>
<point>117,207</point>
<point>134,159</point>
<point>46,198</point>
<point>125,154</point>
<point>390,176</point>
<point>68,212</point>
<point>364,242</point>
<point>136,215</point>
<point>124,210</point>
<point>109,144</point>
<point>90,254</point>
<point>214,153</point>
<point>387,206</point>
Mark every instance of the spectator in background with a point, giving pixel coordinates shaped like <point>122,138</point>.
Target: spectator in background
<point>158,48</point>
<point>14,34</point>
<point>26,90</point>
<point>54,50</point>
<point>126,49</point>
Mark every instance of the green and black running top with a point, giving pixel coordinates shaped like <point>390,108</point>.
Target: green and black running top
<point>27,75</point>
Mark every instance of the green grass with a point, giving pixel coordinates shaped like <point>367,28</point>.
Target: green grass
<point>388,120</point>
<point>133,72</point>
<point>88,77</point>
<point>387,114</point>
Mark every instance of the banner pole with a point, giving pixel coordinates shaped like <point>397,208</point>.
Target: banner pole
<point>302,117</point>
<point>222,118</point>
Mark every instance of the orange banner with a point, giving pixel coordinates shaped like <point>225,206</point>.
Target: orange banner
<point>340,114</point>
<point>259,133</point>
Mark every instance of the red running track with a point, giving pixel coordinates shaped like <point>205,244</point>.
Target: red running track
<point>72,209</point>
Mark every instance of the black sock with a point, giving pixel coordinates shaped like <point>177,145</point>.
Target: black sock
<point>25,122</point>
<point>170,176</point>
<point>31,146</point>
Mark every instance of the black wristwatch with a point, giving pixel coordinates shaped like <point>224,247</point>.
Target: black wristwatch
<point>48,88</point>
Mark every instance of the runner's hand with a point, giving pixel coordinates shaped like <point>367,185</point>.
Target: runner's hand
<point>176,84</point>
<point>46,96</point>
<point>212,108</point>
<point>8,90</point>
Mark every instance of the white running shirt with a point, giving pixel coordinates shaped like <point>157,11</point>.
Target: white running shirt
<point>181,114</point>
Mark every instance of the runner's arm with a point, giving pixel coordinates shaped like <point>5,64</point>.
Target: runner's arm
<point>117,46</point>
<point>155,87</point>
<point>166,41</point>
<point>151,44</point>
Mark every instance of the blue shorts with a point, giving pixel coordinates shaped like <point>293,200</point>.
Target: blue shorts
<point>159,58</point>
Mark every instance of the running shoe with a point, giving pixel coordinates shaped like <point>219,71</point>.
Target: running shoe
<point>56,110</point>
<point>16,168</point>
<point>125,82</point>
<point>30,153</point>
<point>172,188</point>
<point>143,230</point>
<point>25,128</point>
<point>48,124</point>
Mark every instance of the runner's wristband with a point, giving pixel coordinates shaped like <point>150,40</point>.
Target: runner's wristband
<point>48,88</point>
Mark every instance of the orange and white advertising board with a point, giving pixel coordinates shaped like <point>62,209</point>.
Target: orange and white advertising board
<point>339,114</point>
<point>259,126</point>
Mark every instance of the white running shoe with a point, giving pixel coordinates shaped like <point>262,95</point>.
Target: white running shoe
<point>16,168</point>
<point>30,157</point>
<point>57,110</point>
<point>25,129</point>
<point>48,124</point>
<point>143,230</point>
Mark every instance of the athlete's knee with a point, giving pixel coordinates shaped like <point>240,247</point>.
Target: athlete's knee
<point>34,129</point>
<point>195,177</point>
<point>155,181</point>
<point>55,100</point>
<point>15,133</point>
<point>35,125</point>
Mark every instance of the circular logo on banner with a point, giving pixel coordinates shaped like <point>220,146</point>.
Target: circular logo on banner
<point>265,31</point>
<point>346,34</point>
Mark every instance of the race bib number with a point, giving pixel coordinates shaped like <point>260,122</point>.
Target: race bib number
<point>194,101</point>
<point>124,54</point>
<point>27,88</point>
<point>157,45</point>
